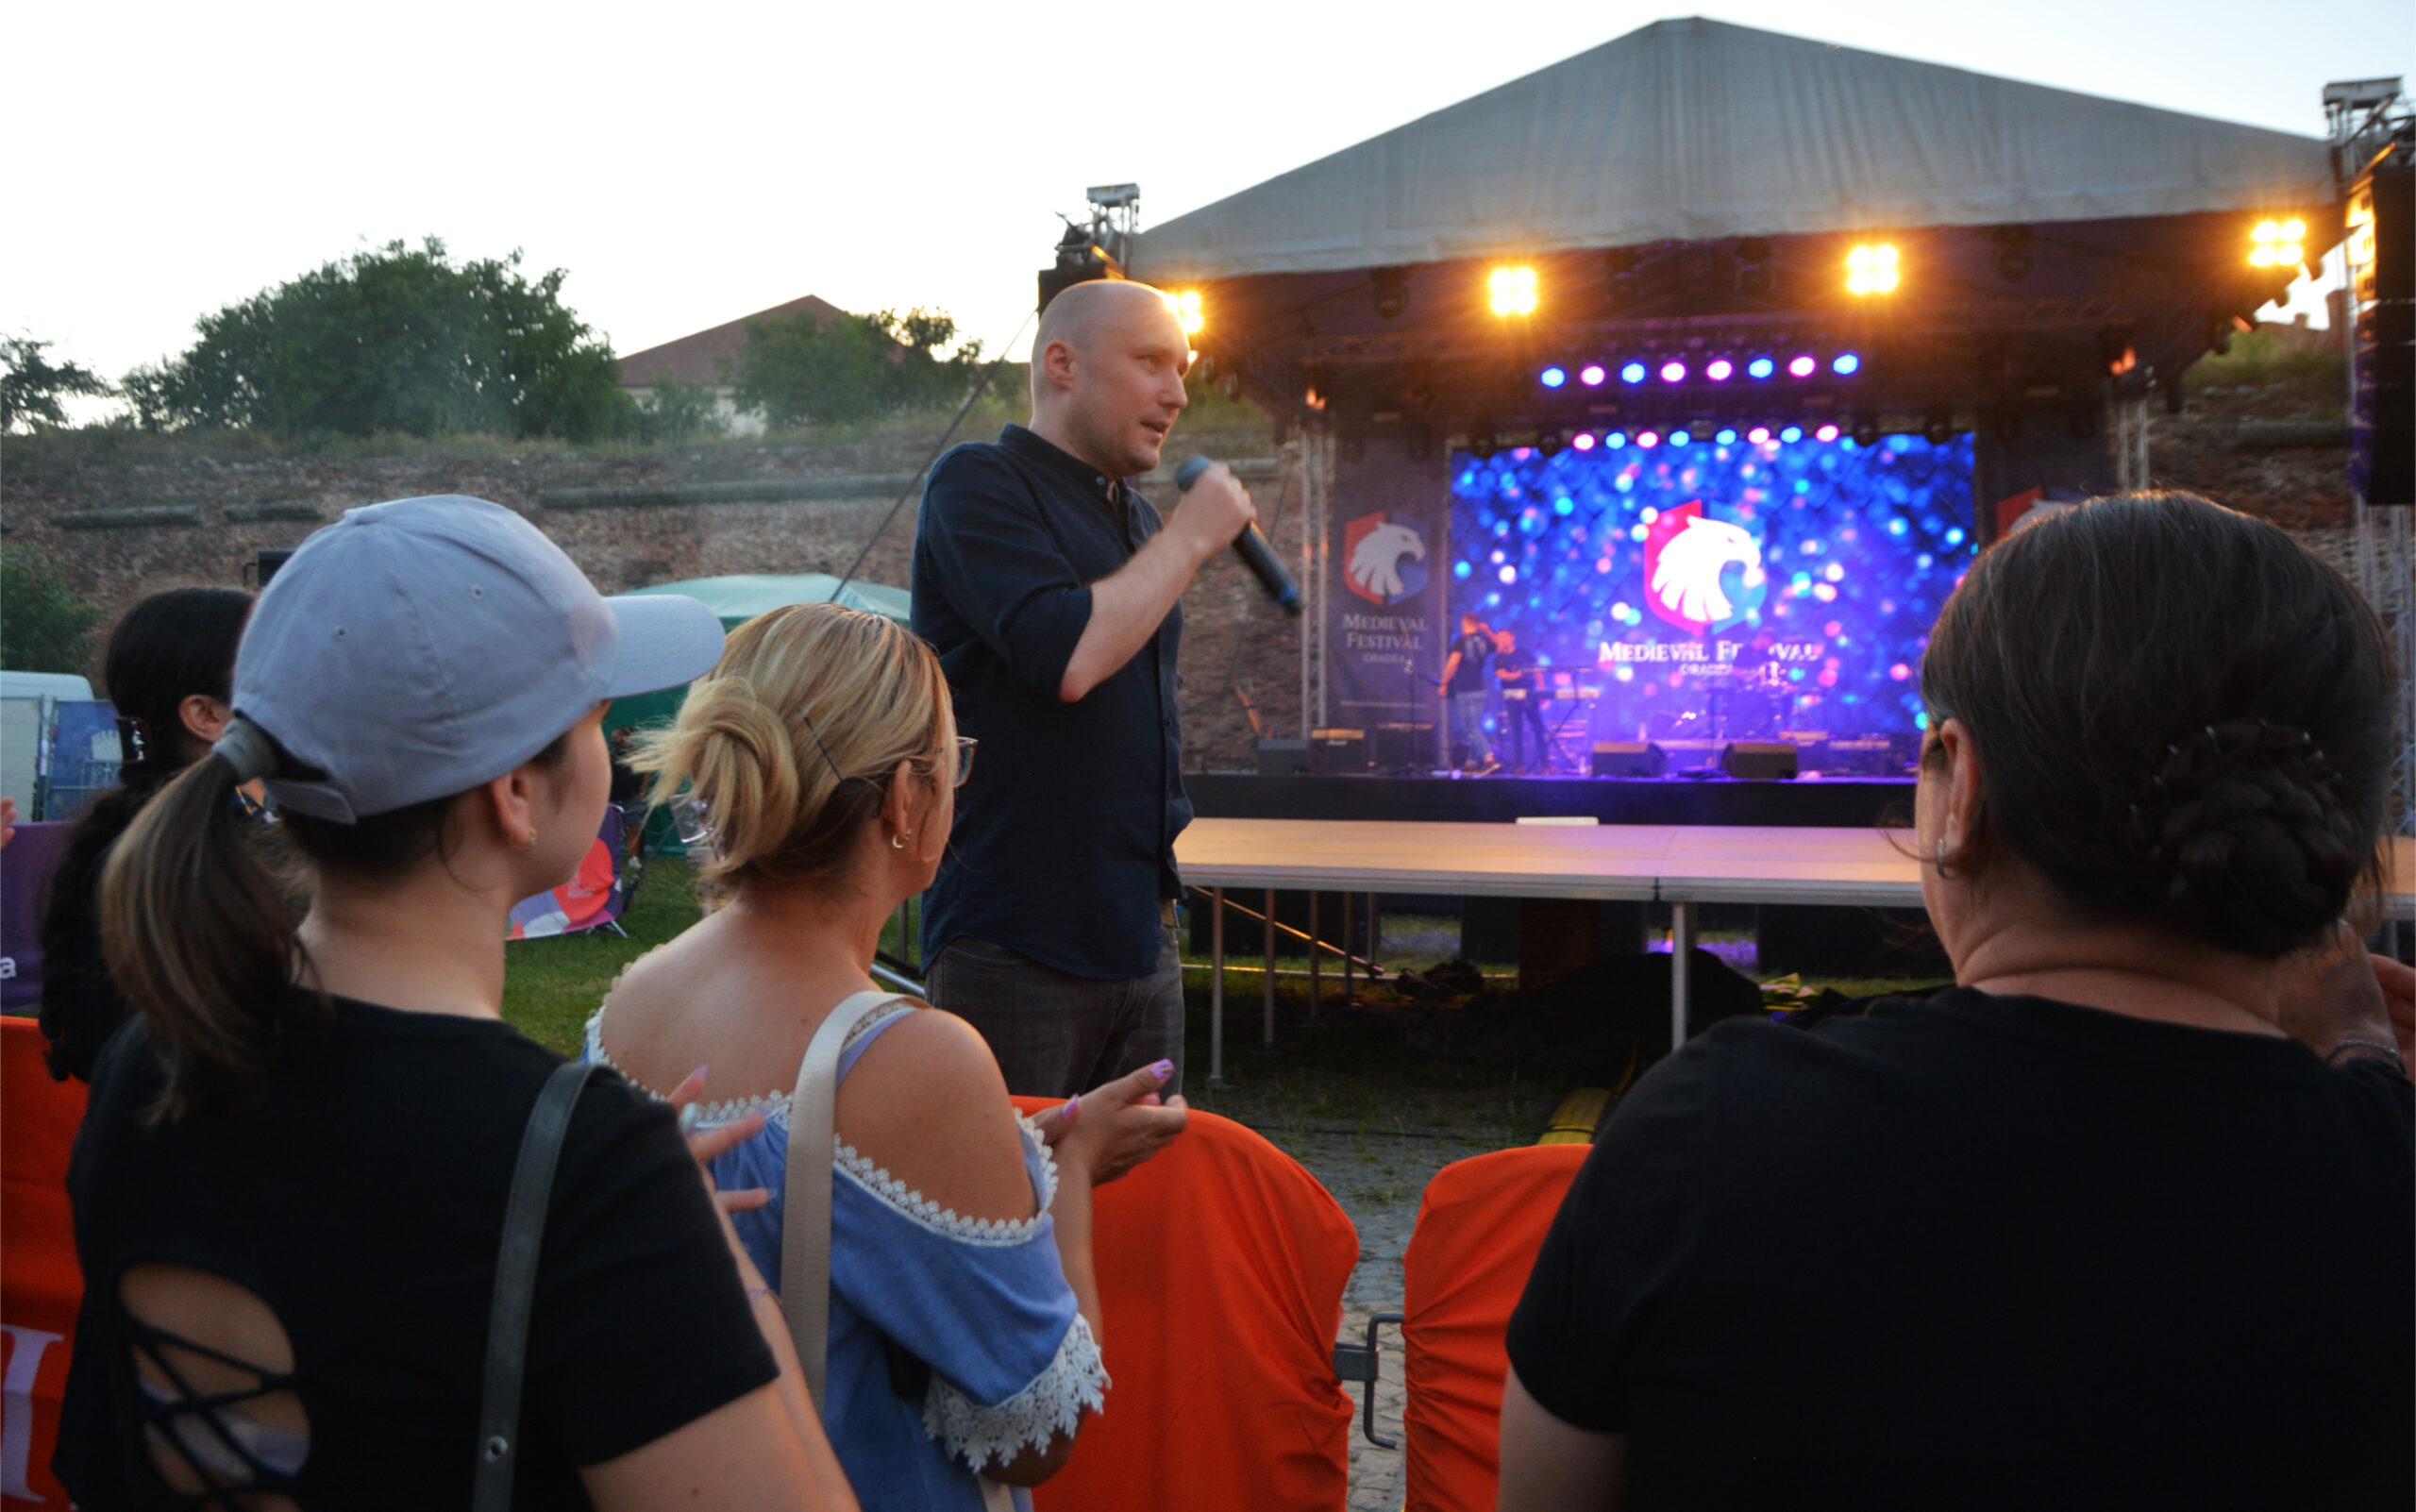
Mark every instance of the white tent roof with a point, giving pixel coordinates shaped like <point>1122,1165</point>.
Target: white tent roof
<point>1695,130</point>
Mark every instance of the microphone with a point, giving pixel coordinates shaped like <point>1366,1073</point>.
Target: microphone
<point>1250,546</point>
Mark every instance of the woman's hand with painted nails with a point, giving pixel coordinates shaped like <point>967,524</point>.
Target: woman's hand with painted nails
<point>1110,1128</point>
<point>710,1143</point>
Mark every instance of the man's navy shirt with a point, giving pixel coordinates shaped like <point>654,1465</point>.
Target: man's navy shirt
<point>1065,833</point>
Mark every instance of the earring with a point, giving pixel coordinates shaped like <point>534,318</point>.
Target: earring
<point>897,841</point>
<point>529,844</point>
<point>1945,873</point>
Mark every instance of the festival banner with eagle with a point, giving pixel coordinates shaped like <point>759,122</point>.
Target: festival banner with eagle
<point>1386,598</point>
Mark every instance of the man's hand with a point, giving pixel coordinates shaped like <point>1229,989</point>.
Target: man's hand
<point>2334,991</point>
<point>1217,509</point>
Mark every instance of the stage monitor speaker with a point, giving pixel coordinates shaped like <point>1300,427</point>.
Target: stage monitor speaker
<point>1333,752</point>
<point>1401,746</point>
<point>1760,758</point>
<point>1629,758</point>
<point>1287,757</point>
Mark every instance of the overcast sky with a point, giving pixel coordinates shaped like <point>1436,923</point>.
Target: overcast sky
<point>689,164</point>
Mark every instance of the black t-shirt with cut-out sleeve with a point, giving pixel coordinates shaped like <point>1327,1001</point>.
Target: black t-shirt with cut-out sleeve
<point>362,1199</point>
<point>1986,1251</point>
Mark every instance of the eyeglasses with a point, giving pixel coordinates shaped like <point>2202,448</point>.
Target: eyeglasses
<point>965,746</point>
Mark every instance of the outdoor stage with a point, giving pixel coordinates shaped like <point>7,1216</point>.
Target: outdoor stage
<point>1837,803</point>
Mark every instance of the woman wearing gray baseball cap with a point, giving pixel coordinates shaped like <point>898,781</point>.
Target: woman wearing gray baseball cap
<point>292,1182</point>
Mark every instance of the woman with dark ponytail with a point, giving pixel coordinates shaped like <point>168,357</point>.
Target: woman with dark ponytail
<point>2126,1217</point>
<point>291,1182</point>
<point>170,672</point>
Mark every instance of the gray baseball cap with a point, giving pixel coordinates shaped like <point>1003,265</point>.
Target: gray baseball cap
<point>416,648</point>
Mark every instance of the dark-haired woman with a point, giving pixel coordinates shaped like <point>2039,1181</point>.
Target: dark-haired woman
<point>2128,1218</point>
<point>170,673</point>
<point>291,1182</point>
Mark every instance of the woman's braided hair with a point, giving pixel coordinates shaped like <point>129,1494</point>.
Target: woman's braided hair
<point>2179,713</point>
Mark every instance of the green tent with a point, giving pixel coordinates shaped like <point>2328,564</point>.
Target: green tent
<point>737,599</point>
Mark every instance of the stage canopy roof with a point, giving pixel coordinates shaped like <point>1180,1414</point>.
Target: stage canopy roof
<point>1694,130</point>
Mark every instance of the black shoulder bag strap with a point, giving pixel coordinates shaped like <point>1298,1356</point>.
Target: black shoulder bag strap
<point>515,1284</point>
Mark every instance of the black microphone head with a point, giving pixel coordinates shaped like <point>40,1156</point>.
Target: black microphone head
<point>1189,472</point>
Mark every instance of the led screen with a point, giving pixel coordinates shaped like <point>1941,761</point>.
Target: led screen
<point>1723,587</point>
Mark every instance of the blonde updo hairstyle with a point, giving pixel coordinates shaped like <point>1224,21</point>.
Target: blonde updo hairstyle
<point>789,745</point>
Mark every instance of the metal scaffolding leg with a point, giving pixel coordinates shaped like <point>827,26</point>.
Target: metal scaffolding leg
<point>1270,1039</point>
<point>1682,956</point>
<point>1346,950</point>
<point>1315,955</point>
<point>1217,990</point>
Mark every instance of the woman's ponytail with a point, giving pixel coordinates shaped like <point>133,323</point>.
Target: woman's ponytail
<point>199,933</point>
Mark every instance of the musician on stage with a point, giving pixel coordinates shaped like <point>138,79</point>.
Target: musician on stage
<point>1522,692</point>
<point>1464,692</point>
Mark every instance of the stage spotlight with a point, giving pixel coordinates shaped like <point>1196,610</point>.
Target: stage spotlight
<point>1511,290</point>
<point>1647,439</point>
<point>1719,370</point>
<point>1185,306</point>
<point>2277,244</point>
<point>1937,430</point>
<point>1727,436</point>
<point>1825,434</point>
<point>1791,434</point>
<point>2014,259</point>
<point>1615,440</point>
<point>1760,367</point>
<point>1758,434</point>
<point>1632,373</point>
<point>1803,366</point>
<point>1583,440</point>
<point>1845,364</point>
<point>1591,375</point>
<point>1866,431</point>
<point>1555,377</point>
<point>1752,266</point>
<point>1681,438</point>
<point>1391,294</point>
<point>1870,269</point>
<point>1673,371</point>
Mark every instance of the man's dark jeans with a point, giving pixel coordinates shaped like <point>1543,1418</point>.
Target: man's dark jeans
<point>1058,1035</point>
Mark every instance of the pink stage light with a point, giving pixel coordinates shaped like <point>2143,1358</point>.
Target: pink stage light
<point>1825,433</point>
<point>1583,441</point>
<point>1803,366</point>
<point>1591,375</point>
<point>1720,370</point>
<point>1647,438</point>
<point>1758,434</point>
<point>1673,371</point>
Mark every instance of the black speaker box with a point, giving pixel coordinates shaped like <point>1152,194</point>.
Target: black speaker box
<point>1629,758</point>
<point>1761,758</point>
<point>1400,746</point>
<point>1338,750</point>
<point>1287,757</point>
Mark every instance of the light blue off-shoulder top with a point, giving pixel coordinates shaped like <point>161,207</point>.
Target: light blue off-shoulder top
<point>983,1303</point>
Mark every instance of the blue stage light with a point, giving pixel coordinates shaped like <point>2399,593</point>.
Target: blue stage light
<point>1760,367</point>
<point>1632,373</point>
<point>1461,570</point>
<point>1616,440</point>
<point>1727,435</point>
<point>1791,434</point>
<point>1680,438</point>
<point>1846,364</point>
<point>1555,377</point>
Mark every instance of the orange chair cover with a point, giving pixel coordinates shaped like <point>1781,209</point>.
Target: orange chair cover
<point>39,1283</point>
<point>1220,1264</point>
<point>1478,1231</point>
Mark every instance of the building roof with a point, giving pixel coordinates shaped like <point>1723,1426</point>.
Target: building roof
<point>1693,130</point>
<point>699,359</point>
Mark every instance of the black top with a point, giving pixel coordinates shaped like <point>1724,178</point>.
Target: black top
<point>1990,1253</point>
<point>363,1201</point>
<point>1065,833</point>
<point>80,1004</point>
<point>1515,667</point>
<point>1472,648</point>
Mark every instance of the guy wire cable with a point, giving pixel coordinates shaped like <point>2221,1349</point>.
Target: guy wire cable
<point>920,473</point>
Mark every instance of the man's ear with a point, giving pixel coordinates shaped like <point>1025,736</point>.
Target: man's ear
<point>1058,362</point>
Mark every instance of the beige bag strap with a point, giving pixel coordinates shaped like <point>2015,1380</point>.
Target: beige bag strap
<point>805,1218</point>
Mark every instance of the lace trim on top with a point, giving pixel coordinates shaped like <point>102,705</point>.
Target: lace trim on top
<point>946,1222</point>
<point>1050,1405</point>
<point>773,1106</point>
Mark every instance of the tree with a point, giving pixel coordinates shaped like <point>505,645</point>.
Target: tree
<point>804,370</point>
<point>673,411</point>
<point>31,385</point>
<point>44,625</point>
<point>395,339</point>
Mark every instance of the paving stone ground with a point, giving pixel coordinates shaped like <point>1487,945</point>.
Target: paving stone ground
<point>1378,1177</point>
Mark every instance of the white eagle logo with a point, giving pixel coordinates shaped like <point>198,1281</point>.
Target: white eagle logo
<point>1685,580</point>
<point>1375,563</point>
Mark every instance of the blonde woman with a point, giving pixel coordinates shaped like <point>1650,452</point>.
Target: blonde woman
<point>964,1320</point>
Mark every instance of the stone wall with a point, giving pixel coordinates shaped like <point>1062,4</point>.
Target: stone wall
<point>127,518</point>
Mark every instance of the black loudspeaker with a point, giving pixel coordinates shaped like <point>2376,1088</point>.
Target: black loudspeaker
<point>1403,746</point>
<point>1761,758</point>
<point>2382,267</point>
<point>1338,750</point>
<point>1289,757</point>
<point>1629,758</point>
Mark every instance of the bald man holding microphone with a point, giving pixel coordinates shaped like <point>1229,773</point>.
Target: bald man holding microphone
<point>1050,588</point>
